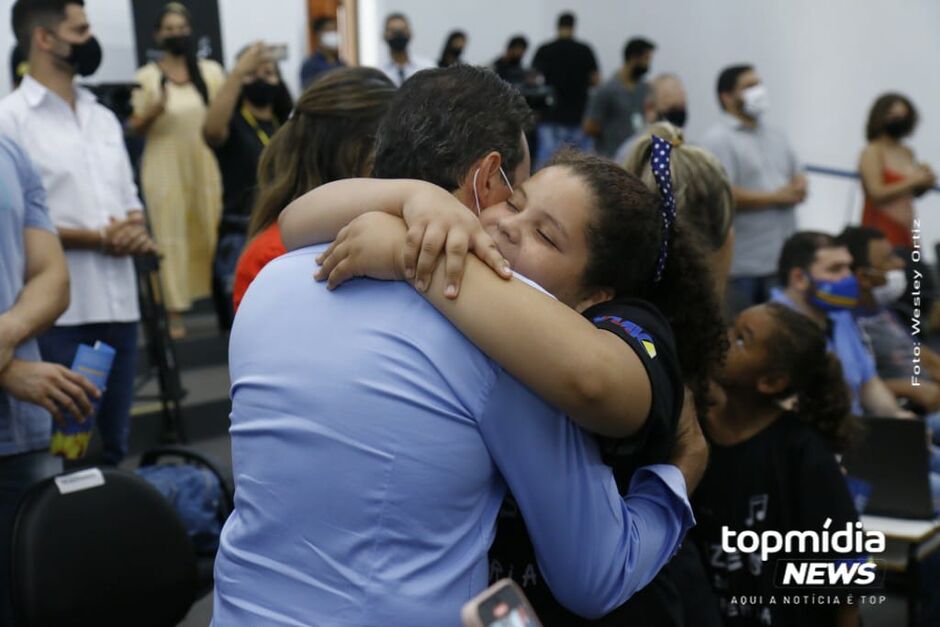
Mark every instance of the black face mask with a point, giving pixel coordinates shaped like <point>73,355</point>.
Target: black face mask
<point>398,42</point>
<point>455,53</point>
<point>177,45</point>
<point>260,93</point>
<point>899,127</point>
<point>638,72</point>
<point>84,57</point>
<point>676,115</point>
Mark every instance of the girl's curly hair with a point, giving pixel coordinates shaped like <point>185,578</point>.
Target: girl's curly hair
<point>624,243</point>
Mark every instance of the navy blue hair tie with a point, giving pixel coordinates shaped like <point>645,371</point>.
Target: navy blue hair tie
<point>659,162</point>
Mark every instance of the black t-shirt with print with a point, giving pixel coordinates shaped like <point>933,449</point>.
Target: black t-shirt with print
<point>783,479</point>
<point>647,332</point>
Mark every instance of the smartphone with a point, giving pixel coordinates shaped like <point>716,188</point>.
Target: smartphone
<point>501,605</point>
<point>278,52</point>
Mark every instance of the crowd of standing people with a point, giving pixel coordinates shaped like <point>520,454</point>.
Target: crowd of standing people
<point>537,235</point>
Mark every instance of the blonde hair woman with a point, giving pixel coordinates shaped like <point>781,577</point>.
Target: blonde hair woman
<point>702,193</point>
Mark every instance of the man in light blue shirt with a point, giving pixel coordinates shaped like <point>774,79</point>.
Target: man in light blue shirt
<point>34,292</point>
<point>373,444</point>
<point>811,266</point>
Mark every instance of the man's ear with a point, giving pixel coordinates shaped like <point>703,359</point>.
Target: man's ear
<point>799,279</point>
<point>490,184</point>
<point>773,384</point>
<point>727,101</point>
<point>41,39</point>
<point>594,297</point>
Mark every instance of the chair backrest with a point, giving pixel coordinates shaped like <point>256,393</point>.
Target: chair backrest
<point>892,457</point>
<point>110,552</point>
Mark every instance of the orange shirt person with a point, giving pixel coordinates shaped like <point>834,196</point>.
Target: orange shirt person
<point>328,137</point>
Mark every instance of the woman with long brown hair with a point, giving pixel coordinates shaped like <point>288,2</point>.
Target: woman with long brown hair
<point>328,137</point>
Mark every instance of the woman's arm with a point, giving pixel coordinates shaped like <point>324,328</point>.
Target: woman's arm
<point>219,114</point>
<point>437,223</point>
<point>589,373</point>
<point>870,168</point>
<point>318,215</point>
<point>147,105</point>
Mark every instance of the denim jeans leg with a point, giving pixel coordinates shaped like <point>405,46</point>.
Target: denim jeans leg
<point>59,345</point>
<point>549,140</point>
<point>114,411</point>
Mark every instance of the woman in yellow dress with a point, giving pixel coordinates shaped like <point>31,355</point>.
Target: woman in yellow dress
<point>179,174</point>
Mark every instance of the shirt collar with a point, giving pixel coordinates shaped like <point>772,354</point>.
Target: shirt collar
<point>731,121</point>
<point>34,92</point>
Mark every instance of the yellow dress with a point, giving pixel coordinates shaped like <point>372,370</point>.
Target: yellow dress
<point>181,183</point>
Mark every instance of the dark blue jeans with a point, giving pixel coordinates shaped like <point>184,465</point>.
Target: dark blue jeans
<point>59,345</point>
<point>17,474</point>
<point>746,291</point>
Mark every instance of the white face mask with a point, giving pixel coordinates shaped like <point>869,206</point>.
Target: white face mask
<point>330,39</point>
<point>756,100</point>
<point>892,290</point>
<point>477,196</point>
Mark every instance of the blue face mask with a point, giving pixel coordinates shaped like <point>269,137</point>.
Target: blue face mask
<point>841,295</point>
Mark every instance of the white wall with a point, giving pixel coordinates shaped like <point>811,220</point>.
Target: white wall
<point>243,21</point>
<point>824,63</point>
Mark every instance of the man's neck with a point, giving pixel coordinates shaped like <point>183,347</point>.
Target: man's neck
<point>803,306</point>
<point>745,120</point>
<point>329,55</point>
<point>400,58</point>
<point>55,80</point>
<point>626,76</point>
<point>744,416</point>
<point>260,113</point>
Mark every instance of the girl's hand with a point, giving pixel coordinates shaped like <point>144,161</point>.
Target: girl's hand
<point>438,222</point>
<point>370,246</point>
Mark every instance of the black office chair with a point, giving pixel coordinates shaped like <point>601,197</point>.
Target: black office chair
<point>112,555</point>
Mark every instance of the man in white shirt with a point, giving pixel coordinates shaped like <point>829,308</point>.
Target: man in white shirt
<point>77,146</point>
<point>401,65</point>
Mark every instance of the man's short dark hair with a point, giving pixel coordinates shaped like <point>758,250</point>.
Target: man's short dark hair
<point>566,20</point>
<point>857,240</point>
<point>319,23</point>
<point>728,79</point>
<point>28,14</point>
<point>443,120</point>
<point>637,47</point>
<point>518,42</point>
<point>799,251</point>
<point>396,16</point>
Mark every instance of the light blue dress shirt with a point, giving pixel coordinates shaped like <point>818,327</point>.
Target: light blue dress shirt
<point>23,426</point>
<point>372,446</point>
<point>848,344</point>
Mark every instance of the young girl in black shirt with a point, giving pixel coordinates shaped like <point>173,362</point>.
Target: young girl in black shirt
<point>774,469</point>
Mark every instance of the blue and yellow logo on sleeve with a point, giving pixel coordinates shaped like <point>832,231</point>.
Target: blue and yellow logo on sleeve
<point>633,330</point>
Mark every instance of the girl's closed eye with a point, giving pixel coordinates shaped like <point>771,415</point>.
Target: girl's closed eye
<point>547,239</point>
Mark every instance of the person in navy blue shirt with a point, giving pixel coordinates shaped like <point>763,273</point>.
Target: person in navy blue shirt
<point>325,56</point>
